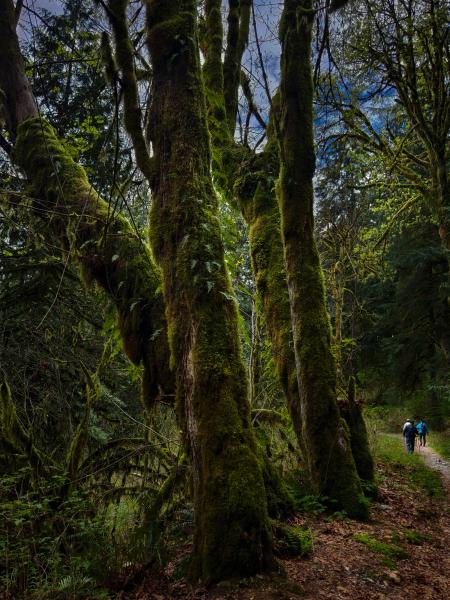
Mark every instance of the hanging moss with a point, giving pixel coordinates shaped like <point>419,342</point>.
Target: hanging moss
<point>326,436</point>
<point>110,252</point>
<point>351,411</point>
<point>232,531</point>
<point>78,444</point>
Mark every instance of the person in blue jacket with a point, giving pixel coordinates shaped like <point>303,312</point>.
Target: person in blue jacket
<point>409,433</point>
<point>422,430</point>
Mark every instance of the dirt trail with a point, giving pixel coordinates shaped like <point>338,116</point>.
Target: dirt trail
<point>435,461</point>
<point>341,567</point>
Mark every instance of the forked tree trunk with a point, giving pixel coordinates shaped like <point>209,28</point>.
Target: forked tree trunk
<point>254,187</point>
<point>326,436</point>
<point>232,536</point>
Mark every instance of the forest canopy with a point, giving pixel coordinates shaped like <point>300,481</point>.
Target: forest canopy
<point>224,260</point>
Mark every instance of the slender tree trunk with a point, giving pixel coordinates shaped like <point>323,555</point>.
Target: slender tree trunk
<point>105,244</point>
<point>255,354</point>
<point>232,536</point>
<point>358,434</point>
<point>328,450</point>
<point>257,199</point>
<point>237,38</point>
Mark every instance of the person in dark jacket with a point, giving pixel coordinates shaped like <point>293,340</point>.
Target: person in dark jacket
<point>409,433</point>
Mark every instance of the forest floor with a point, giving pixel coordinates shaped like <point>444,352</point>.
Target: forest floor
<point>401,553</point>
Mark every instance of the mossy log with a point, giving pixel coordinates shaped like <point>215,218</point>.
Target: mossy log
<point>232,531</point>
<point>325,433</point>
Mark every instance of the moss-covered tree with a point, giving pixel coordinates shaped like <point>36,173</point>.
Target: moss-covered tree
<point>351,411</point>
<point>250,178</point>
<point>255,190</point>
<point>232,534</point>
<point>326,436</point>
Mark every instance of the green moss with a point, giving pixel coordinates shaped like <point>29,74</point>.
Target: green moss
<point>326,436</point>
<point>125,61</point>
<point>415,537</point>
<point>79,440</point>
<point>390,552</point>
<point>352,414</point>
<point>255,189</point>
<point>280,502</point>
<point>293,541</point>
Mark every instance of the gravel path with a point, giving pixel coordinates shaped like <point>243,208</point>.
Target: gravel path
<point>435,461</point>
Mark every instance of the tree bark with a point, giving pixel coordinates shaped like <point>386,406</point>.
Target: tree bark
<point>351,412</point>
<point>326,436</point>
<point>232,536</point>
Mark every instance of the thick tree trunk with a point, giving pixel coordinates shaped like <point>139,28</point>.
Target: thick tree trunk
<point>326,436</point>
<point>105,244</point>
<point>232,536</point>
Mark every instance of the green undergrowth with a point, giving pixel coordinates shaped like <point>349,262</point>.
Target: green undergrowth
<point>293,540</point>
<point>390,552</point>
<point>64,548</point>
<point>441,443</point>
<point>415,537</point>
<point>390,451</point>
<point>51,548</point>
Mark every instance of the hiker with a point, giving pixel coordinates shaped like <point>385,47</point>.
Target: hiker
<point>422,430</point>
<point>409,433</point>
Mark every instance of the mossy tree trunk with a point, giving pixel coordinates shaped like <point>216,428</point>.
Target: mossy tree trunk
<point>104,243</point>
<point>358,434</point>
<point>254,188</point>
<point>237,38</point>
<point>232,536</point>
<point>257,198</point>
<point>326,436</point>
